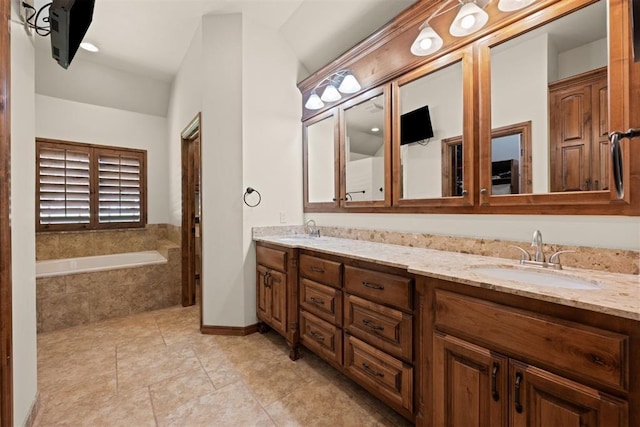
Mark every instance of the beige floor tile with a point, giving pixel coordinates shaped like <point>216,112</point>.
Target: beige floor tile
<point>230,406</point>
<point>168,395</point>
<point>156,368</point>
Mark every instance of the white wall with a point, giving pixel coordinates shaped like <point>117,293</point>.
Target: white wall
<point>98,84</point>
<point>245,142</point>
<point>519,91</point>
<point>23,220</point>
<point>74,121</point>
<point>583,58</point>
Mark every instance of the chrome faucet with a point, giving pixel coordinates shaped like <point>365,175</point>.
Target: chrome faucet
<point>311,228</point>
<point>538,257</point>
<point>537,243</point>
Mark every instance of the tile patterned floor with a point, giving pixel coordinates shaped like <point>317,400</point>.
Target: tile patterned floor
<point>156,369</point>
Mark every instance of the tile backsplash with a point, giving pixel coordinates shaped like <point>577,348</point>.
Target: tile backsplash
<point>612,260</point>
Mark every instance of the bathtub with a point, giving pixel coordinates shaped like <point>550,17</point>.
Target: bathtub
<point>62,267</point>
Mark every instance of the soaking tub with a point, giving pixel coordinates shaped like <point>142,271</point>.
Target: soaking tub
<point>62,267</point>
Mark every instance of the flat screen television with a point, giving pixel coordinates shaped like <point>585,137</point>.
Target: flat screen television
<point>415,126</point>
<point>69,21</point>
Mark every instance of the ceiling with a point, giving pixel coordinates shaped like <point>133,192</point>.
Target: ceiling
<point>151,37</point>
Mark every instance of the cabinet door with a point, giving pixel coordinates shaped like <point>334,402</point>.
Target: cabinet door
<point>263,293</point>
<point>278,300</point>
<point>571,139</point>
<point>470,384</point>
<point>542,399</point>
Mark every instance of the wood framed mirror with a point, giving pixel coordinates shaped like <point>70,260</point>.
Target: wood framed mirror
<point>365,150</point>
<point>433,140</point>
<point>321,152</point>
<point>556,71</point>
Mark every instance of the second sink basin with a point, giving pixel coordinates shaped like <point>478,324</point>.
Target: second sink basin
<point>538,278</point>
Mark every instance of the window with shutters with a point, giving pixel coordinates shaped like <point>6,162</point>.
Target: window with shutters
<point>88,187</point>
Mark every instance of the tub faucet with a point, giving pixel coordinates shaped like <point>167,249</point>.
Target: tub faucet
<point>537,243</point>
<point>311,228</point>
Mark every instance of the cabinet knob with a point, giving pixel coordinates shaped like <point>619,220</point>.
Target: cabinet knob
<point>464,192</point>
<point>483,191</point>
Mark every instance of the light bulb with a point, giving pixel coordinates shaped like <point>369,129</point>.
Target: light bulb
<point>513,5</point>
<point>349,84</point>
<point>330,94</point>
<point>314,102</point>
<point>467,22</point>
<point>426,43</point>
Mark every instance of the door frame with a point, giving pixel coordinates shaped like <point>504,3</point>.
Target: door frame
<point>190,132</point>
<point>6,342</point>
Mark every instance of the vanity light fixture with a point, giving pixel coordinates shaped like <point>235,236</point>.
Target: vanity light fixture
<point>471,17</point>
<point>342,81</point>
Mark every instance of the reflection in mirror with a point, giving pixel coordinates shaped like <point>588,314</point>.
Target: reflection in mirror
<point>364,150</point>
<point>321,161</point>
<point>431,167</point>
<point>556,78</point>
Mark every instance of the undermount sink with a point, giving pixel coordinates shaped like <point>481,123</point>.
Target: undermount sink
<point>549,279</point>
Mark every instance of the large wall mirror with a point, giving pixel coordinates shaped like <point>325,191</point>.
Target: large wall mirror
<point>366,152</point>
<point>320,162</point>
<point>549,105</point>
<point>431,144</point>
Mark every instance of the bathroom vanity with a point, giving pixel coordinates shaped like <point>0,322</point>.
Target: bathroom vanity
<point>442,343</point>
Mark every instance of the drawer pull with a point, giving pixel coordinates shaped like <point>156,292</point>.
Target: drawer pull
<point>494,380</point>
<point>316,301</point>
<point>316,336</point>
<point>267,284</point>
<point>317,269</point>
<point>372,286</point>
<point>370,371</point>
<point>517,392</point>
<point>373,326</point>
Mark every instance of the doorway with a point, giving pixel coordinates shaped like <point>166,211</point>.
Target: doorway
<point>6,340</point>
<point>191,214</point>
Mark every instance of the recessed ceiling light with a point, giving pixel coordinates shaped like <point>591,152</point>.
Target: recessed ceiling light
<point>375,129</point>
<point>89,46</point>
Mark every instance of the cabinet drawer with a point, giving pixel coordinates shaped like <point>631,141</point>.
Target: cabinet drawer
<point>381,287</point>
<point>321,270</point>
<point>321,337</point>
<point>383,375</point>
<point>272,258</point>
<point>576,350</point>
<point>321,300</point>
<point>384,327</point>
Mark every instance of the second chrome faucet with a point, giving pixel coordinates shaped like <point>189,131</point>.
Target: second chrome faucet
<point>539,257</point>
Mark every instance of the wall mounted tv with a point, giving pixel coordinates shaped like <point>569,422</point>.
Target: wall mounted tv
<point>69,21</point>
<point>415,126</point>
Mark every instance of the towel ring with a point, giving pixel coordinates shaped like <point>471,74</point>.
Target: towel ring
<point>248,191</point>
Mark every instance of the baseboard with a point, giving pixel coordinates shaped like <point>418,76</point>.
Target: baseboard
<point>33,413</point>
<point>239,331</point>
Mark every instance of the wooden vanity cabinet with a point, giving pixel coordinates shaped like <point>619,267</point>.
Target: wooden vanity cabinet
<point>497,362</point>
<point>277,292</point>
<point>360,318</point>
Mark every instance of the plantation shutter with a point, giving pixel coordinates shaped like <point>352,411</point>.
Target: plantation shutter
<point>64,186</point>
<point>119,187</point>
<point>89,187</point>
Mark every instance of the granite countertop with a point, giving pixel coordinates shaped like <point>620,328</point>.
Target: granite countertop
<point>617,295</point>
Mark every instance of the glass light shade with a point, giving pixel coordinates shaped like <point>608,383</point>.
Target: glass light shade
<point>349,84</point>
<point>314,102</point>
<point>427,42</point>
<point>513,5</point>
<point>470,18</point>
<point>330,94</point>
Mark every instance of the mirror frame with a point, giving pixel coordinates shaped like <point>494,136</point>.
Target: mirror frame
<point>574,202</point>
<point>465,56</point>
<point>328,206</point>
<point>386,202</point>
